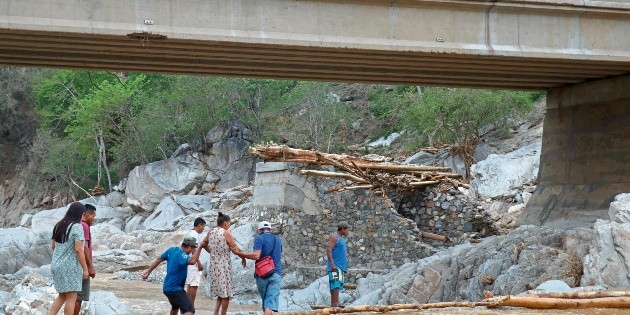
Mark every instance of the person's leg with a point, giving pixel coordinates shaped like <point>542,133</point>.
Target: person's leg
<point>56,306</point>
<point>217,306</point>
<point>77,307</point>
<point>192,293</point>
<point>185,304</point>
<point>71,299</point>
<point>172,299</point>
<point>334,297</point>
<point>272,294</point>
<point>225,303</point>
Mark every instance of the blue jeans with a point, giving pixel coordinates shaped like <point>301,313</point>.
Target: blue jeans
<point>269,290</point>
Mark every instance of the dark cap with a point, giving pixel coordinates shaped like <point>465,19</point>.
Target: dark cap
<point>343,225</point>
<point>189,241</point>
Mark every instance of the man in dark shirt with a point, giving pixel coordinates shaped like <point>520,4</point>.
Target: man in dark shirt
<point>267,244</point>
<point>177,261</point>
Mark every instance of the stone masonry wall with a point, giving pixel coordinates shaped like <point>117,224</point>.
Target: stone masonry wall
<point>305,214</point>
<point>445,212</point>
<point>382,236</point>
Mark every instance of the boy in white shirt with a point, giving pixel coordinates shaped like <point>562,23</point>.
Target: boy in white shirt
<point>193,278</point>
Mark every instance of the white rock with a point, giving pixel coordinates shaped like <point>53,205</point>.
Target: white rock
<point>106,303</point>
<point>385,141</point>
<point>164,215</point>
<point>149,184</point>
<point>619,210</point>
<point>498,175</point>
<point>555,286</point>
<point>26,220</point>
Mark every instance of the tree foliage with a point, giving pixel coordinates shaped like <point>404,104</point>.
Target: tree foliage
<point>145,117</point>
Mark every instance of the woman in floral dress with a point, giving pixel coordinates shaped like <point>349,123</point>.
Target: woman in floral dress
<point>220,243</point>
<point>68,264</point>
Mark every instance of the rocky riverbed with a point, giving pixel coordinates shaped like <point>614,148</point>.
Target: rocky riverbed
<point>155,206</point>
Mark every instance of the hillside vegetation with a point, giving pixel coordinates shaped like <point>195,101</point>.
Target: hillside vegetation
<point>139,118</point>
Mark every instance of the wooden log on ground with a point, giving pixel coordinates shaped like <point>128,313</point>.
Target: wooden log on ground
<point>436,237</point>
<point>333,174</point>
<point>350,286</point>
<point>387,308</point>
<point>581,295</point>
<point>557,303</point>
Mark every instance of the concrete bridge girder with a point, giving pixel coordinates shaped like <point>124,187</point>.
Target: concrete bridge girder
<point>519,44</point>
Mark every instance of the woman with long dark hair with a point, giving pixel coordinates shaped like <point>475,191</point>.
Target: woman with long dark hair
<point>68,259</point>
<point>220,242</point>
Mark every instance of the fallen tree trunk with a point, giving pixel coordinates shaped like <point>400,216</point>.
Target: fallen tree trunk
<point>580,295</point>
<point>433,236</point>
<point>620,301</point>
<point>560,303</point>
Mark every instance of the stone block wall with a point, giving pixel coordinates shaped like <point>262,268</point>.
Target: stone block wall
<point>444,212</point>
<point>305,214</point>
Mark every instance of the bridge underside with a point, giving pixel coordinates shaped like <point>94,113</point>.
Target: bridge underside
<point>143,53</point>
<point>505,44</point>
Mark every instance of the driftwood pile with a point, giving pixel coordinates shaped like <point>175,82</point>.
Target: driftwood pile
<point>382,177</point>
<point>574,300</point>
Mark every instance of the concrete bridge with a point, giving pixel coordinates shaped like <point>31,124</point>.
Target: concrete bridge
<point>577,50</point>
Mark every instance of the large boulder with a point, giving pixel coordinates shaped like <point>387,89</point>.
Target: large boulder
<point>510,264</point>
<point>227,156</point>
<point>619,210</point>
<point>106,303</point>
<point>166,213</point>
<point>500,175</point>
<point>32,296</point>
<point>148,184</point>
<point>21,247</point>
<point>317,293</point>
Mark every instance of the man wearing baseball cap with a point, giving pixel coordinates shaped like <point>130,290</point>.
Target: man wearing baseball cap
<point>337,263</point>
<point>267,244</point>
<point>177,261</point>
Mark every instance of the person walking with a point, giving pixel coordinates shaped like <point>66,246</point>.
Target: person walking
<point>177,261</point>
<point>337,264</point>
<point>87,220</point>
<point>220,243</point>
<point>267,244</point>
<point>68,264</point>
<point>193,278</point>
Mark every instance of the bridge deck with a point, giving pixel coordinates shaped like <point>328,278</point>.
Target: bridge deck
<point>511,44</point>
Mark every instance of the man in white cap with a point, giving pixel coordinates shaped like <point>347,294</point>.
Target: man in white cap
<point>267,244</point>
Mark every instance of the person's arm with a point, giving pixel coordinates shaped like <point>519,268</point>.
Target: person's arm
<point>255,255</point>
<point>153,265</point>
<point>88,260</point>
<point>78,250</point>
<point>195,257</point>
<point>229,239</point>
<point>86,251</point>
<point>205,243</point>
<point>332,240</point>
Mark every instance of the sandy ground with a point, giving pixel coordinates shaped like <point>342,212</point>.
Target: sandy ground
<point>147,298</point>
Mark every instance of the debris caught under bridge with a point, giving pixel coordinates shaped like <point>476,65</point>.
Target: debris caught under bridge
<point>382,177</point>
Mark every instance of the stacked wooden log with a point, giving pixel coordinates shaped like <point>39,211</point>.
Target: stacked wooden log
<point>574,300</point>
<point>382,177</point>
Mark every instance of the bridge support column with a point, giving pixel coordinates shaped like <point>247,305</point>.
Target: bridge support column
<point>585,158</point>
